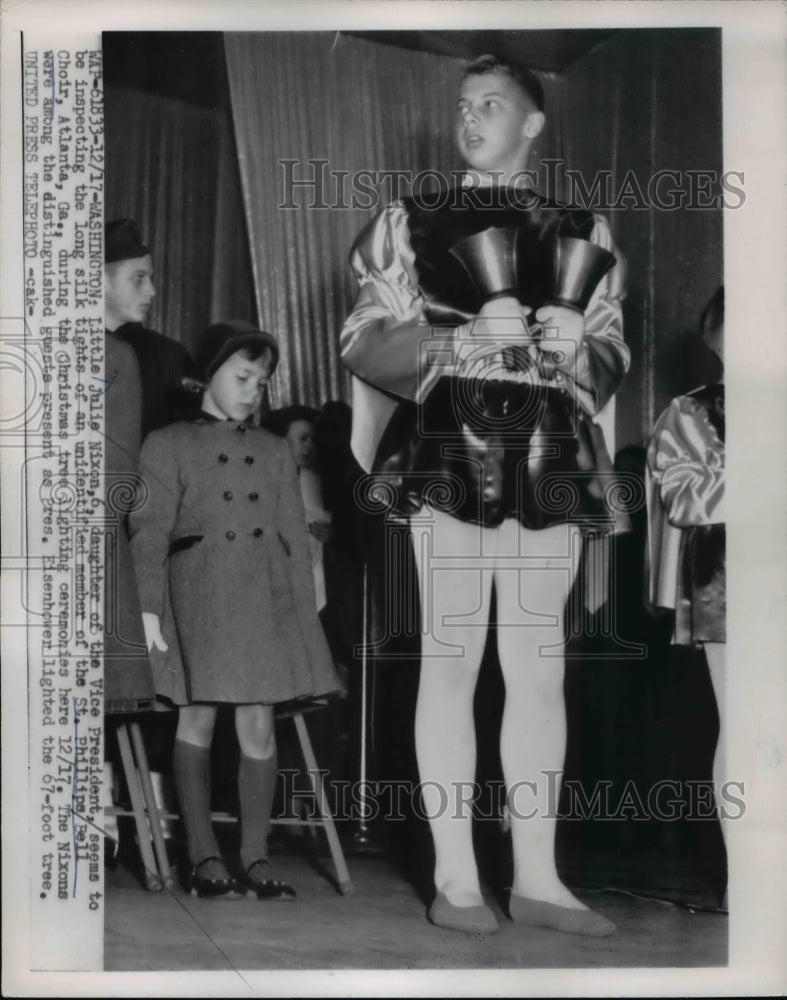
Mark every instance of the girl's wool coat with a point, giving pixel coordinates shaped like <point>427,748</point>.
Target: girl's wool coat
<point>221,551</point>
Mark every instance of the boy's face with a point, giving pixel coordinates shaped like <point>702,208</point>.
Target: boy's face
<point>235,389</point>
<point>300,437</point>
<point>129,291</point>
<point>495,123</point>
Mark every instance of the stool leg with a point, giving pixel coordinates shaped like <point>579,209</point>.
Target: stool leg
<point>152,881</point>
<point>337,854</point>
<point>150,802</point>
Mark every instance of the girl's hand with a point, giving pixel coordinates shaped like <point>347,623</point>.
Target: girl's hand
<point>153,637</point>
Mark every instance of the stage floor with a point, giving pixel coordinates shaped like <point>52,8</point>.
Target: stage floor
<point>383,925</point>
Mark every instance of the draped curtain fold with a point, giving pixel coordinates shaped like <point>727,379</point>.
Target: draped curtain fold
<point>350,105</point>
<point>357,106</point>
<point>641,101</point>
<point>172,168</point>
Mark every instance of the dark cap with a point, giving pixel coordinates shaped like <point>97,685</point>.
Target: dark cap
<point>222,340</point>
<point>122,241</point>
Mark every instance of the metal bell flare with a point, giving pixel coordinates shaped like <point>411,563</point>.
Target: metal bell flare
<point>577,268</point>
<point>489,259</point>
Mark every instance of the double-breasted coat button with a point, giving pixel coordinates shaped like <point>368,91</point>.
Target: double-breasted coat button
<point>257,532</point>
<point>223,459</point>
<point>249,460</point>
<point>254,495</point>
<point>228,495</point>
<point>230,536</point>
<point>241,428</point>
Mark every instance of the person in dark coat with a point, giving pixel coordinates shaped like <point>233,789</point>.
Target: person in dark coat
<point>222,557</point>
<point>159,365</point>
<point>163,362</point>
<point>128,681</point>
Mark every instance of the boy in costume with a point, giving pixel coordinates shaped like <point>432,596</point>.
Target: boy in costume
<point>480,425</point>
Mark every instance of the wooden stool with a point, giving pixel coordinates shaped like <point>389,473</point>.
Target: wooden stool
<point>324,818</point>
<point>148,818</point>
<point>156,868</point>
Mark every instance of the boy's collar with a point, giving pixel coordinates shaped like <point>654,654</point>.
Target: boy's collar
<point>473,180</point>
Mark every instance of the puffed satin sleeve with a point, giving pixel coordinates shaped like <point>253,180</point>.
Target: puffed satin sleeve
<point>686,462</point>
<point>381,342</point>
<point>604,358</point>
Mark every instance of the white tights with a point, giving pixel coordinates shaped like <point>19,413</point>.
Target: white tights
<point>533,572</point>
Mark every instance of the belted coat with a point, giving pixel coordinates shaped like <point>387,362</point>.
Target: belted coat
<point>221,551</point>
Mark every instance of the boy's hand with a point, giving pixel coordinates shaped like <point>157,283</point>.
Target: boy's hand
<point>153,637</point>
<point>503,321</point>
<point>562,333</point>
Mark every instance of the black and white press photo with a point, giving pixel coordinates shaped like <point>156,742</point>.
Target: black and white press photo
<point>396,556</point>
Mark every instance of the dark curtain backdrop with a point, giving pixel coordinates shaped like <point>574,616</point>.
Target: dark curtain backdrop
<point>208,202</point>
<point>359,105</point>
<point>172,166</point>
<point>646,101</point>
<point>642,101</point>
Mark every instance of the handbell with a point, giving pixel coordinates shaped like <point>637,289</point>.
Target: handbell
<point>577,267</point>
<point>489,259</point>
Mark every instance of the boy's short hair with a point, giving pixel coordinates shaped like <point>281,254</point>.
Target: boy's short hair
<point>526,79</point>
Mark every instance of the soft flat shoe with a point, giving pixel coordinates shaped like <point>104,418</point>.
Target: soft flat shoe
<point>477,919</point>
<point>538,913</point>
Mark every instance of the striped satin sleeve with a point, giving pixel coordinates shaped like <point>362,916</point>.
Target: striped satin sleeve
<point>603,358</point>
<point>686,461</point>
<point>386,340</point>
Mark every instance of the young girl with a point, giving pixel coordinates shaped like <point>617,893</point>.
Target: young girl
<point>222,558</point>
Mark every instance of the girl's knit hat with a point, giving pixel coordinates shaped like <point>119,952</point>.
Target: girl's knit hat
<point>221,340</point>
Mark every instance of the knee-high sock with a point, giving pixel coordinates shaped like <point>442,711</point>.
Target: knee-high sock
<point>256,788</point>
<point>191,765</point>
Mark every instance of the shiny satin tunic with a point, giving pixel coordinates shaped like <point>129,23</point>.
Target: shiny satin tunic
<point>483,437</point>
